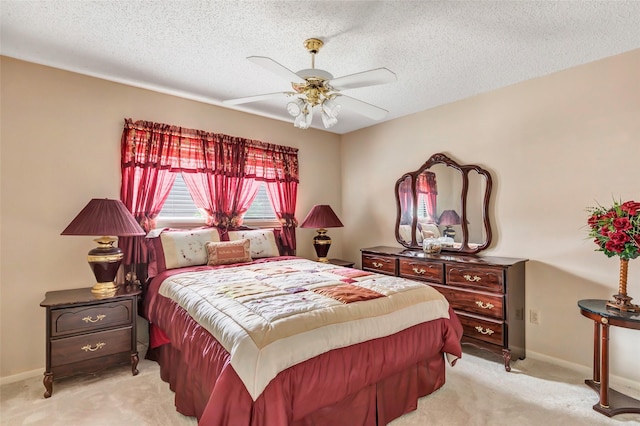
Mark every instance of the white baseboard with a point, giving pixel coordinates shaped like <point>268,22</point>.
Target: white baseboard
<point>21,376</point>
<point>587,372</point>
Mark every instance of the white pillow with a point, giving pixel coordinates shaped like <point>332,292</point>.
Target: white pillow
<point>187,248</point>
<point>263,241</point>
<point>429,230</point>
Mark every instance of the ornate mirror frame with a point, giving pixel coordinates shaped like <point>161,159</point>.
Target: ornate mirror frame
<point>462,246</point>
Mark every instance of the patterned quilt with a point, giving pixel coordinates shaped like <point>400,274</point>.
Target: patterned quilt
<point>270,316</point>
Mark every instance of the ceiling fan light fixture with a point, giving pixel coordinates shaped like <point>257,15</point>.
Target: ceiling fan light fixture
<point>303,120</point>
<point>308,116</point>
<point>294,108</point>
<point>331,108</point>
<point>328,121</point>
<point>299,122</point>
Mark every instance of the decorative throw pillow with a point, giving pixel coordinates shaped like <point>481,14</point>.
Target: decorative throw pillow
<point>263,242</point>
<point>186,248</point>
<point>228,252</point>
<point>429,230</point>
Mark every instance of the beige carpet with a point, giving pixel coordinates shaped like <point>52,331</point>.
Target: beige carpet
<point>478,392</point>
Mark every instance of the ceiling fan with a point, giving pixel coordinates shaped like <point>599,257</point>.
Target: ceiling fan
<point>316,87</point>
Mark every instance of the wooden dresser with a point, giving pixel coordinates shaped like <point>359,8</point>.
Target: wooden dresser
<point>487,293</point>
<point>86,333</point>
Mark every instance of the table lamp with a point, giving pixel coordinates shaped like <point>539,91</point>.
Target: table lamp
<point>109,219</point>
<point>448,218</point>
<point>321,216</point>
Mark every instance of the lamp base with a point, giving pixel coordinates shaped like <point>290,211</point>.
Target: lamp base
<point>322,243</point>
<point>448,231</point>
<point>105,261</point>
<point>104,289</point>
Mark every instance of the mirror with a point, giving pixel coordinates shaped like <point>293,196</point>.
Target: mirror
<point>444,199</point>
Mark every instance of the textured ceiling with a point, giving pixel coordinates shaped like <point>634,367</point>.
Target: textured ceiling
<point>441,51</point>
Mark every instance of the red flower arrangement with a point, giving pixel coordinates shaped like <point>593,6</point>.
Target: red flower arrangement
<point>616,230</point>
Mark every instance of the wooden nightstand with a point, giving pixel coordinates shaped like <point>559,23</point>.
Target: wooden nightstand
<point>86,333</point>
<point>341,262</point>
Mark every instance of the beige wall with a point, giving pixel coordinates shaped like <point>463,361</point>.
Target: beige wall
<point>554,145</point>
<point>61,147</point>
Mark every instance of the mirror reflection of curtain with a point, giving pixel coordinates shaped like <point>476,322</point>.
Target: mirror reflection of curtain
<point>405,194</point>
<point>427,190</point>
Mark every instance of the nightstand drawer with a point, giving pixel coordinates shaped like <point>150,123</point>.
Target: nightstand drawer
<point>485,278</point>
<point>95,317</point>
<point>482,329</point>
<point>486,304</point>
<point>384,265</point>
<point>425,271</point>
<point>88,346</point>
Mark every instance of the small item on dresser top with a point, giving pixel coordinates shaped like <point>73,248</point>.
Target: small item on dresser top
<point>431,245</point>
<point>446,241</point>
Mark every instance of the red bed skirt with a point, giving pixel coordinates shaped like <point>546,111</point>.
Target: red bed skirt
<point>389,376</point>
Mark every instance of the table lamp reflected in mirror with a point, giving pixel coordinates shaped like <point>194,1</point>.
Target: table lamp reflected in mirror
<point>448,218</point>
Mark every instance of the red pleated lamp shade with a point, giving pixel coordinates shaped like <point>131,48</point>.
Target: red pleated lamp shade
<point>449,217</point>
<point>103,216</point>
<point>321,216</point>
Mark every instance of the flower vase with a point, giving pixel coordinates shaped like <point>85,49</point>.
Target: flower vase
<point>621,300</point>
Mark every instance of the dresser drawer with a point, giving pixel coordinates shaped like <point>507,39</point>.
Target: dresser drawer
<point>94,317</point>
<point>487,304</point>
<point>483,278</point>
<point>88,346</point>
<point>482,329</point>
<point>382,264</point>
<point>426,271</point>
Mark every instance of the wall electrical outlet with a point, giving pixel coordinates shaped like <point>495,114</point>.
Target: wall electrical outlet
<point>520,314</point>
<point>534,316</point>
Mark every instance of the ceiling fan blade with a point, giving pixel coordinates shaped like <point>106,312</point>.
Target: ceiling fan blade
<point>365,78</point>
<point>276,68</point>
<point>361,107</point>
<point>256,98</point>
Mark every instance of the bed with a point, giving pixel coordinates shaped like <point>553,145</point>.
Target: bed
<point>250,337</point>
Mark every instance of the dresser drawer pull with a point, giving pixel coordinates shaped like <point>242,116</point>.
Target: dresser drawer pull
<point>472,279</point>
<point>377,264</point>
<point>483,305</point>
<point>483,331</point>
<point>419,271</point>
<point>99,317</point>
<point>88,348</point>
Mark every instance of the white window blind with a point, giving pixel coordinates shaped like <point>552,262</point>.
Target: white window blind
<point>261,208</point>
<point>180,206</point>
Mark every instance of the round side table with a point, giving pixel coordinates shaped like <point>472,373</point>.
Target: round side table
<point>611,401</point>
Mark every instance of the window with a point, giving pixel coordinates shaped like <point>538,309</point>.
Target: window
<point>179,204</point>
<point>179,208</point>
<point>261,208</point>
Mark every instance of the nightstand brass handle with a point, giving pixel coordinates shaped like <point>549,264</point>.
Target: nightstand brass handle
<point>484,305</point>
<point>377,265</point>
<point>472,279</point>
<point>88,348</point>
<point>99,317</point>
<point>483,331</point>
<point>419,271</point>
